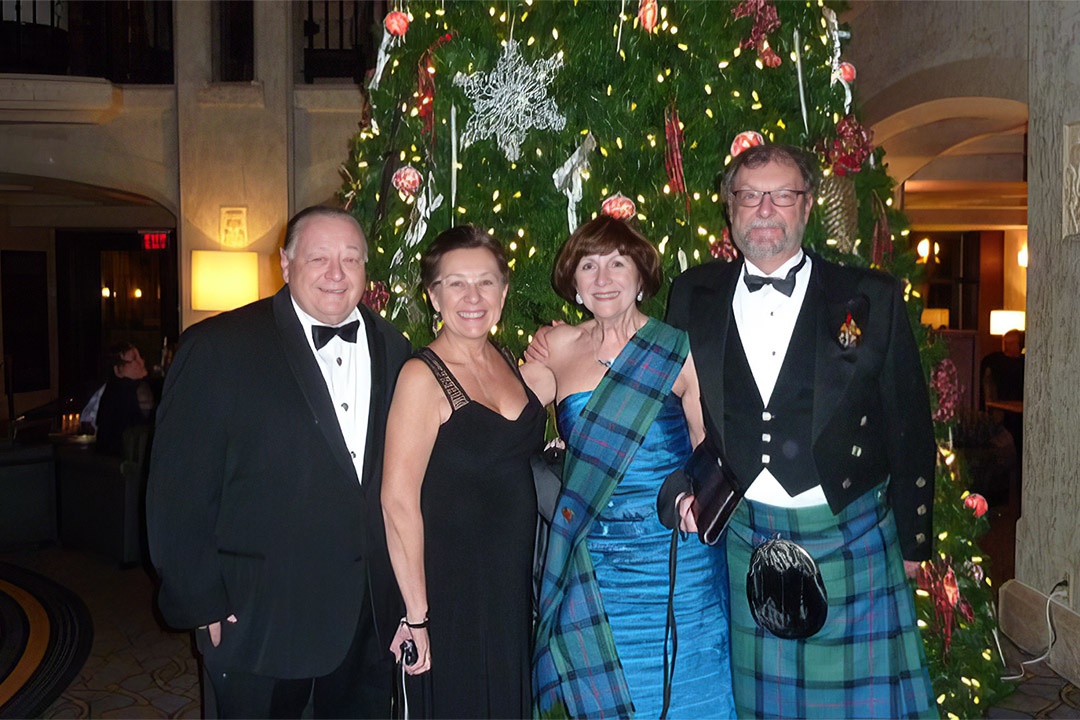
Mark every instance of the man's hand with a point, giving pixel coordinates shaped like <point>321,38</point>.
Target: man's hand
<point>538,350</point>
<point>911,568</point>
<point>215,630</point>
<point>687,523</point>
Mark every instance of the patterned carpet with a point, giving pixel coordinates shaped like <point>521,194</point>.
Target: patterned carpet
<point>136,669</point>
<point>46,635</point>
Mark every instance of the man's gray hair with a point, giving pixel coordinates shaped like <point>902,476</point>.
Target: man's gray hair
<point>299,220</point>
<point>761,155</point>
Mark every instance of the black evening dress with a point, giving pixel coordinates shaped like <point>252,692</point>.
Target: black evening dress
<point>479,506</point>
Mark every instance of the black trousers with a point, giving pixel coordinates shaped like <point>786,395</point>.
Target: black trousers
<point>361,687</point>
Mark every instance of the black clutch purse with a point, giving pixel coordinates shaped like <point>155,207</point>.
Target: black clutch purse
<point>716,491</point>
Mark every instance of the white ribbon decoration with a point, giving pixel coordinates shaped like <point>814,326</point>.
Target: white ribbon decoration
<point>381,60</point>
<point>453,155</point>
<point>802,89</point>
<point>426,203</point>
<point>835,33</point>
<point>567,178</point>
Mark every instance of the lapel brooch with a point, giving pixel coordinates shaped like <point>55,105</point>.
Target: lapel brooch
<point>849,334</point>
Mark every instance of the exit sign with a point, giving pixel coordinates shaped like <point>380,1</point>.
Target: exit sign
<point>155,240</point>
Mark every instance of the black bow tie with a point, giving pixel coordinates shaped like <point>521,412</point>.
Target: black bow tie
<point>785,284</point>
<point>321,334</point>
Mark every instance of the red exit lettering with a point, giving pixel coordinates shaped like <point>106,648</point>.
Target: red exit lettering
<point>155,241</point>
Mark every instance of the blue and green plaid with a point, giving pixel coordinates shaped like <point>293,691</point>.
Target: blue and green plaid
<point>575,663</point>
<point>868,660</point>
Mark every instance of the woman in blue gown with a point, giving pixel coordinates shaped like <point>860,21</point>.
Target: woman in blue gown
<point>629,410</point>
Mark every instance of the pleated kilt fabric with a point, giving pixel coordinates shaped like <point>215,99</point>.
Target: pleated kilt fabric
<point>868,659</point>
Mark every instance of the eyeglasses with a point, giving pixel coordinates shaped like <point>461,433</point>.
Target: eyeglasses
<point>780,198</point>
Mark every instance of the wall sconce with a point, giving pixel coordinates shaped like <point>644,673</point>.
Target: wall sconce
<point>924,250</point>
<point>223,280</point>
<point>1002,321</point>
<point>935,317</point>
<point>1021,257</point>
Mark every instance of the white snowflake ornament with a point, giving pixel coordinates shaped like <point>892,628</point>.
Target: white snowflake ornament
<point>510,100</point>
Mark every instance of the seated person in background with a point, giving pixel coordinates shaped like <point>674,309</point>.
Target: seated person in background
<point>1002,372</point>
<point>1002,375</point>
<point>126,401</point>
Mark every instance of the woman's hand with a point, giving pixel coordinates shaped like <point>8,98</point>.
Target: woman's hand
<point>423,648</point>
<point>687,523</point>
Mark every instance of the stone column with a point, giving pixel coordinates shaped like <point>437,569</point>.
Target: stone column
<point>1048,533</point>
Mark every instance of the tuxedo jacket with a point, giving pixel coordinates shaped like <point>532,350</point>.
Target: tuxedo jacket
<point>871,411</point>
<point>253,505</point>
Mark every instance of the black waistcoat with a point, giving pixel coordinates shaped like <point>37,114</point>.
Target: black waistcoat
<point>779,436</point>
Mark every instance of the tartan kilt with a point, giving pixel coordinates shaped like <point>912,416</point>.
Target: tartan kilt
<point>868,659</point>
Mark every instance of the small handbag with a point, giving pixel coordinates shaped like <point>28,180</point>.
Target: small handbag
<point>716,491</point>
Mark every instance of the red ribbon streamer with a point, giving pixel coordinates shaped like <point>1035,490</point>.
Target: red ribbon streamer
<point>673,154</point>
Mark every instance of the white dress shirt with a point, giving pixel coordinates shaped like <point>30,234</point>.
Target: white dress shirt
<point>766,320</point>
<point>346,369</point>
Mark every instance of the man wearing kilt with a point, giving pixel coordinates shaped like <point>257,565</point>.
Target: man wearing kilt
<point>813,392</point>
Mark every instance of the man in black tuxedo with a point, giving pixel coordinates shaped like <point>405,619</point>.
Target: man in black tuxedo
<point>263,506</point>
<point>813,391</point>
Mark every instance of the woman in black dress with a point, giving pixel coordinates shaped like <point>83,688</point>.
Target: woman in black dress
<point>458,496</point>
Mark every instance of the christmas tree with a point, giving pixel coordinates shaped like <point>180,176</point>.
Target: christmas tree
<point>528,118</point>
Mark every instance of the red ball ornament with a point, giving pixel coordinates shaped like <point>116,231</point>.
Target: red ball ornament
<point>847,72</point>
<point>745,140</point>
<point>397,23</point>
<point>647,13</point>
<point>977,503</point>
<point>619,207</point>
<point>407,179</point>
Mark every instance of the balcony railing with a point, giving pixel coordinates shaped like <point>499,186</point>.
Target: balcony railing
<point>341,38</point>
<point>125,41</point>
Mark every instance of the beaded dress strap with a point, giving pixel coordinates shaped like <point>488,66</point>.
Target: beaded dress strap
<point>454,394</point>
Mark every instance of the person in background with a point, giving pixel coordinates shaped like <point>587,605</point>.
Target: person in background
<point>813,389</point>
<point>126,399</point>
<point>262,506</point>
<point>629,411</point>
<point>1002,371</point>
<point>458,494</point>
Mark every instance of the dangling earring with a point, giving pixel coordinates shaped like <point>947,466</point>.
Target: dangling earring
<point>436,321</point>
<point>579,300</point>
<point>640,295</point>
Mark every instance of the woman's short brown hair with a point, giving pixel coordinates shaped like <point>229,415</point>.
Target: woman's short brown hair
<point>601,236</point>
<point>461,237</point>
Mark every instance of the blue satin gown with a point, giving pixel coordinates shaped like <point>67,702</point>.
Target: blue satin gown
<point>629,549</point>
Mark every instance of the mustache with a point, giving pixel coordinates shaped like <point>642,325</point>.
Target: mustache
<point>766,223</point>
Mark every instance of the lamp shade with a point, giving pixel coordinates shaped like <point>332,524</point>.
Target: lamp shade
<point>935,317</point>
<point>1002,321</point>
<point>223,280</point>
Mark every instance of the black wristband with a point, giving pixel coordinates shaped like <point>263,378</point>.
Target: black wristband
<point>416,626</point>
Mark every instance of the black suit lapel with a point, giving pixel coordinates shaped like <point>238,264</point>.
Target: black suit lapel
<point>310,379</point>
<point>709,340</point>
<point>835,364</point>
<point>376,415</point>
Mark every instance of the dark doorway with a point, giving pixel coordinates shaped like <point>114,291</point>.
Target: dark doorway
<point>25,298</point>
<point>113,286</point>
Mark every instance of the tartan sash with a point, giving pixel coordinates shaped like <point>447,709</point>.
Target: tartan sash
<point>575,662</point>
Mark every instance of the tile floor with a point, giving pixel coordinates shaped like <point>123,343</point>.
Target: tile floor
<point>136,669</point>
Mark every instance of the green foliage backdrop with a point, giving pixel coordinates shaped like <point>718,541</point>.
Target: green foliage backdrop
<point>621,83</point>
